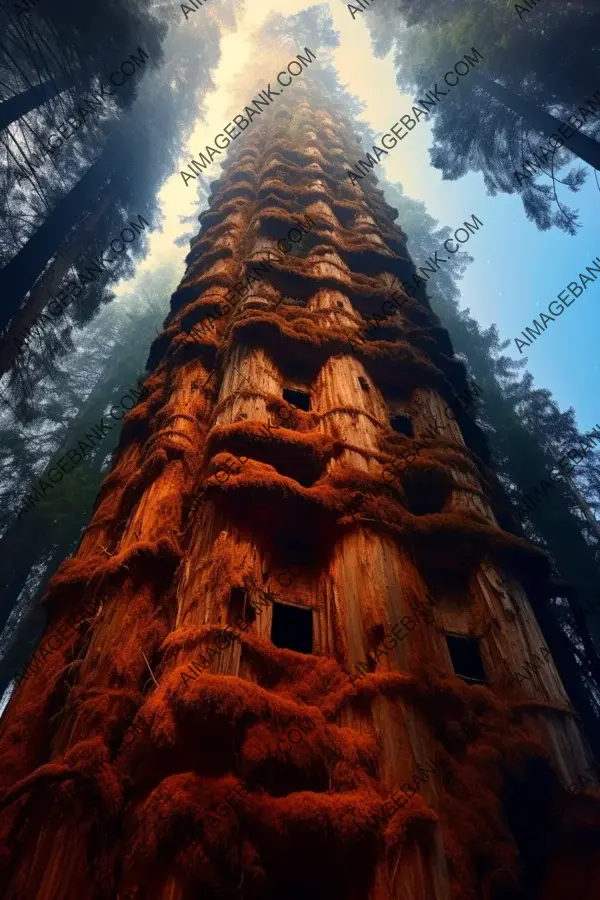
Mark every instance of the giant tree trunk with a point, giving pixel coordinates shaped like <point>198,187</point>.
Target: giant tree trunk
<point>586,148</point>
<point>245,510</point>
<point>15,107</point>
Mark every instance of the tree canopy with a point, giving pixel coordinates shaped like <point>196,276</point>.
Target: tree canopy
<point>495,120</point>
<point>60,216</point>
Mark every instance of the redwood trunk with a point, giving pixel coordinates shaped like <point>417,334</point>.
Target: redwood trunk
<point>262,765</point>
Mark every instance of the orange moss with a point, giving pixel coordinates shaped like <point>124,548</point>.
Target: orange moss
<point>412,821</point>
<point>145,811</point>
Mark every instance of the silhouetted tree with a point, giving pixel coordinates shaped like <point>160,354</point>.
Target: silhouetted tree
<point>503,112</point>
<point>106,178</point>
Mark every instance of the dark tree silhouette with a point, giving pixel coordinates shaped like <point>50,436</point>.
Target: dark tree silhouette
<point>100,181</point>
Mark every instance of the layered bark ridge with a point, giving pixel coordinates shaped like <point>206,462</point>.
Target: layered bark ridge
<point>305,518</point>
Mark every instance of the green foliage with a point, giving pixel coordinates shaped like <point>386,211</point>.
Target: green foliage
<point>473,129</point>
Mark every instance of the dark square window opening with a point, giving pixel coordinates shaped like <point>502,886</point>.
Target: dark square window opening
<point>237,604</point>
<point>376,633</point>
<point>466,658</point>
<point>299,399</point>
<point>402,425</point>
<point>291,628</point>
<point>364,383</point>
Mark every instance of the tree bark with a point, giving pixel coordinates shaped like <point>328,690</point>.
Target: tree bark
<point>571,553</point>
<point>268,559</point>
<point>586,148</point>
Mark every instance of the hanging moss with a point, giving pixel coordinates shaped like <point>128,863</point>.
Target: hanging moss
<point>266,773</point>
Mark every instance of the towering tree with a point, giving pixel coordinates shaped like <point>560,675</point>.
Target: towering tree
<point>15,107</point>
<point>296,590</point>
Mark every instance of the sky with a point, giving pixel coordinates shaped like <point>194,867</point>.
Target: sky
<point>517,270</point>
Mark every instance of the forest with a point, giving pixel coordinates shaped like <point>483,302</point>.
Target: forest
<point>61,371</point>
<point>102,107</point>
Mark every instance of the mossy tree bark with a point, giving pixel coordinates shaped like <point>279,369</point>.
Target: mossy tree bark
<point>230,486</point>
